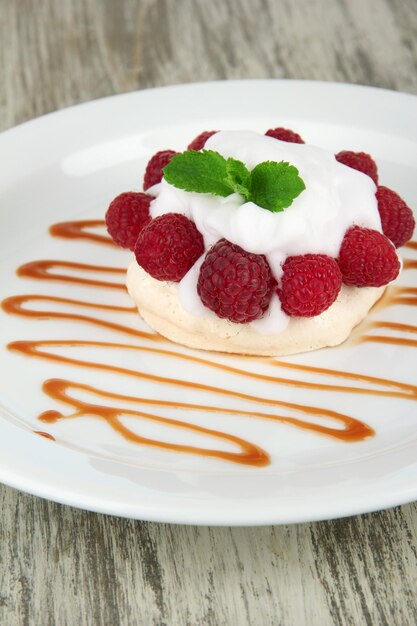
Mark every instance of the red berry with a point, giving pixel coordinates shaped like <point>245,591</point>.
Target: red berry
<point>200,141</point>
<point>309,285</point>
<point>127,214</point>
<point>235,284</point>
<point>396,217</point>
<point>359,161</point>
<point>153,172</point>
<point>169,246</point>
<point>367,258</point>
<point>284,134</point>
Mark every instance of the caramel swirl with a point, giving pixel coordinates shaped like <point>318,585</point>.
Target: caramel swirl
<point>43,434</point>
<point>42,270</point>
<point>349,429</point>
<point>15,306</point>
<point>394,296</point>
<point>375,386</point>
<point>306,417</point>
<point>247,453</point>
<point>78,230</point>
<point>410,264</point>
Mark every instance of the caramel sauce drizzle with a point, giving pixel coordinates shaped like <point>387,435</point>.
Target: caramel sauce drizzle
<point>352,429</point>
<point>248,453</point>
<point>409,264</point>
<point>43,434</point>
<point>346,428</point>
<point>15,305</point>
<point>41,270</point>
<point>395,341</point>
<point>401,295</point>
<point>78,230</point>
<point>394,295</point>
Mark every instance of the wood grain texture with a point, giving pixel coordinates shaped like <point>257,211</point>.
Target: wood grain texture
<point>64,566</point>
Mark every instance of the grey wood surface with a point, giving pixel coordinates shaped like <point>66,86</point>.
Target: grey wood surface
<point>61,566</point>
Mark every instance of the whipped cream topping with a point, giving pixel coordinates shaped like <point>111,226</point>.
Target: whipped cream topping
<point>335,198</point>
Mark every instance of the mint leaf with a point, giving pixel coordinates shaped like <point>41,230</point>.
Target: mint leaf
<point>203,171</point>
<point>270,185</point>
<point>238,177</point>
<point>274,186</point>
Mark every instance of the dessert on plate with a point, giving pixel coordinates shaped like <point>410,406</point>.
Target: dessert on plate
<point>259,243</point>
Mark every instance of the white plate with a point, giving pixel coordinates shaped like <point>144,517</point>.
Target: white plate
<point>68,166</point>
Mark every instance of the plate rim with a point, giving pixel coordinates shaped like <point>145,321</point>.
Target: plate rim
<point>360,87</point>
<point>165,514</point>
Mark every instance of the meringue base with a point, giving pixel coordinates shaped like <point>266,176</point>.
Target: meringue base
<point>159,305</point>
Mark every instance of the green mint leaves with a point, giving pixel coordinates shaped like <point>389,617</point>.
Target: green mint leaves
<point>204,172</point>
<point>274,186</point>
<point>270,185</point>
<point>238,177</point>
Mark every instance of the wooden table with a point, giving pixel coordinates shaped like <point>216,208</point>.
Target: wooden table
<point>64,566</point>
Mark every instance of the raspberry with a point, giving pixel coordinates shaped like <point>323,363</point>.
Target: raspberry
<point>200,141</point>
<point>169,246</point>
<point>153,172</point>
<point>359,161</point>
<point>396,217</point>
<point>284,134</point>
<point>367,258</point>
<point>127,214</point>
<point>235,284</point>
<point>309,285</point>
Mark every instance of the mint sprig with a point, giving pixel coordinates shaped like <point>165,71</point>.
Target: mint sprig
<point>204,172</point>
<point>274,185</point>
<point>270,185</point>
<point>238,177</point>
